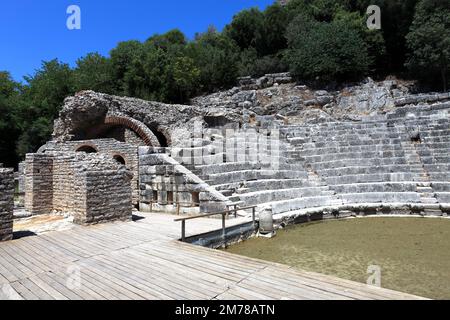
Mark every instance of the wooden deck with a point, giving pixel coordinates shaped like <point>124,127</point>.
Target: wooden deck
<point>143,260</point>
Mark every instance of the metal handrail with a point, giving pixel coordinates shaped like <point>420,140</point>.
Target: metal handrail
<point>224,215</point>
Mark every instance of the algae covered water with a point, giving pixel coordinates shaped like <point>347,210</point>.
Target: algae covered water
<point>412,253</point>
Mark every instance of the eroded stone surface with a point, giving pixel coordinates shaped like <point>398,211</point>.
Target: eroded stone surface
<point>6,203</point>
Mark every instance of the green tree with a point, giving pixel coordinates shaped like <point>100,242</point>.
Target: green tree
<point>122,57</point>
<point>42,99</point>
<point>247,29</point>
<point>252,65</point>
<point>217,58</point>
<point>275,23</point>
<point>94,72</point>
<point>9,131</point>
<point>373,38</point>
<point>429,41</point>
<point>325,51</point>
<point>186,76</point>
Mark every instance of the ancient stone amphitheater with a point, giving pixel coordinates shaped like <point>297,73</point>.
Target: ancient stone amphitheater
<point>296,153</point>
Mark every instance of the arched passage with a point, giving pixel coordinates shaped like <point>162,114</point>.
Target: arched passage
<point>119,159</point>
<point>138,127</point>
<point>86,149</point>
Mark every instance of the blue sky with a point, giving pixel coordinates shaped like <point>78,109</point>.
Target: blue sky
<point>32,31</point>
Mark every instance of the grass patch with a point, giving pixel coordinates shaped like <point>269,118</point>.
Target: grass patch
<point>413,253</point>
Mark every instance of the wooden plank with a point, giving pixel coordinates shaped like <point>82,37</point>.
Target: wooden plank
<point>23,291</point>
<point>141,260</point>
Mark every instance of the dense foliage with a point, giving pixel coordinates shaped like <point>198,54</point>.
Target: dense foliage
<point>317,40</point>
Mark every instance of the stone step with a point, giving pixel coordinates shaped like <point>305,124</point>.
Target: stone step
<point>381,197</point>
<point>260,197</point>
<point>407,186</point>
<point>302,203</point>
<point>443,197</point>
<point>267,184</point>
<point>366,178</point>
<point>249,175</point>
<point>428,199</point>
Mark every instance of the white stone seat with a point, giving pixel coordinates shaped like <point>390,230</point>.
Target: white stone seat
<point>260,197</point>
<point>406,186</point>
<point>302,203</point>
<point>382,197</point>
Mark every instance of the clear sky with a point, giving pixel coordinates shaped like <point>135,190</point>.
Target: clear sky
<point>35,30</point>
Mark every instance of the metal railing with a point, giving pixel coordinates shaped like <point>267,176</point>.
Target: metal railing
<point>224,216</point>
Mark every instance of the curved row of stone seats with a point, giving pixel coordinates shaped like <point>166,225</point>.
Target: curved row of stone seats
<point>302,203</point>
<point>246,175</point>
<point>317,147</point>
<point>380,197</point>
<point>363,170</point>
<point>262,197</point>
<point>346,136</point>
<point>441,186</point>
<point>370,178</point>
<point>242,187</point>
<point>433,111</point>
<point>403,186</point>
<point>331,149</point>
<point>338,129</point>
<point>216,168</point>
<point>443,197</point>
<point>355,161</point>
<point>351,155</point>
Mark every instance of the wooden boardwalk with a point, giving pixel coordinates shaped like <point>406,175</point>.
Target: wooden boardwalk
<point>143,260</point>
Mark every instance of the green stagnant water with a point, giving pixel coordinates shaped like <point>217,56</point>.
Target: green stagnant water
<point>413,253</point>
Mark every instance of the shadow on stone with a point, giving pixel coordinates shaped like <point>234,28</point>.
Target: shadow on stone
<point>23,234</point>
<point>137,218</point>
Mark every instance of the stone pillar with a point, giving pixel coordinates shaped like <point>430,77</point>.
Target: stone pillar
<point>21,186</point>
<point>102,196</point>
<point>6,203</point>
<point>39,183</point>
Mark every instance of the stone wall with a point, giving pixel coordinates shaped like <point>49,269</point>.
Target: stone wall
<point>21,183</point>
<point>165,183</point>
<point>102,195</point>
<point>6,203</point>
<point>92,187</point>
<point>268,80</point>
<point>109,147</point>
<point>39,183</point>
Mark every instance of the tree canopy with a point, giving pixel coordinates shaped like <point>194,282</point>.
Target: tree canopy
<point>316,40</point>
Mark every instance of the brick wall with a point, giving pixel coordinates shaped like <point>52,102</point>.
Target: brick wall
<point>39,183</point>
<point>93,187</point>
<point>110,147</point>
<point>6,203</point>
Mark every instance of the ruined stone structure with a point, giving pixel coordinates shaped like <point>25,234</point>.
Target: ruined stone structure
<point>6,203</point>
<point>92,187</point>
<point>168,186</point>
<point>123,153</point>
<point>292,151</point>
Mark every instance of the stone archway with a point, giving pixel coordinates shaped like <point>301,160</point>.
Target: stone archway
<point>87,148</point>
<point>136,126</point>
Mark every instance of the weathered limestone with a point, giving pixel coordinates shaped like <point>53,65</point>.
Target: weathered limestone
<point>167,185</point>
<point>363,147</point>
<point>104,195</point>
<point>92,187</point>
<point>124,153</point>
<point>6,203</point>
<point>39,183</point>
<point>90,115</point>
